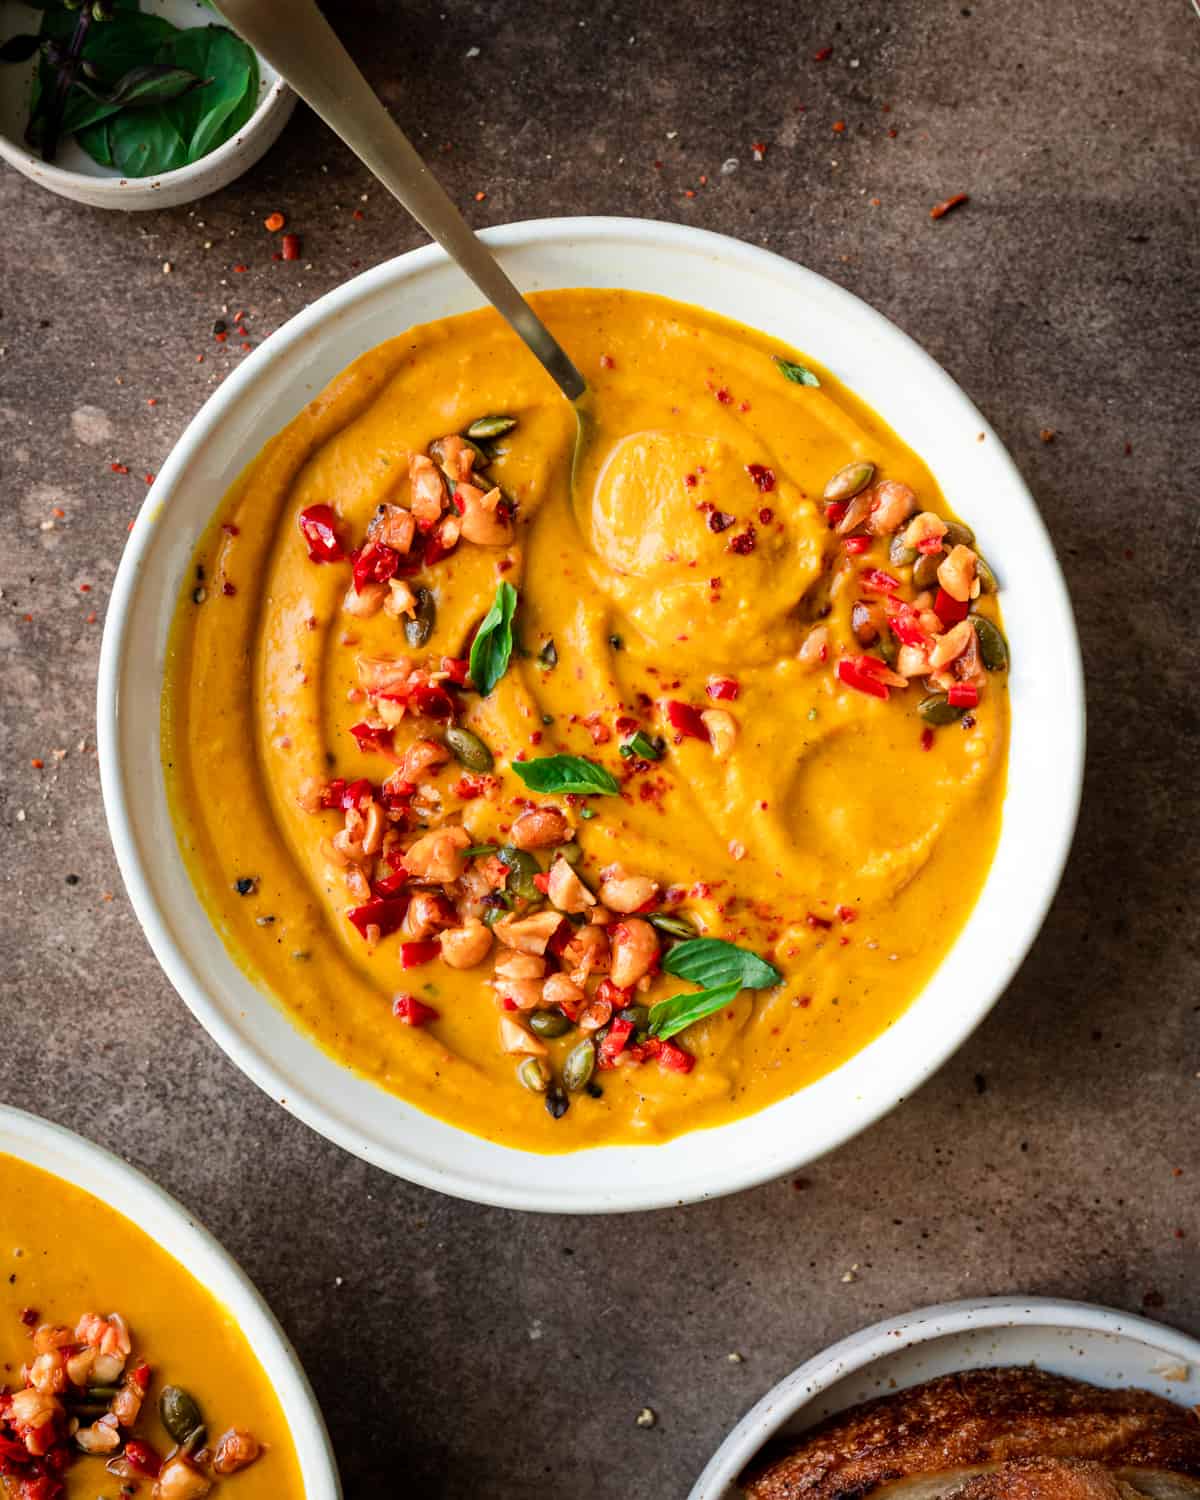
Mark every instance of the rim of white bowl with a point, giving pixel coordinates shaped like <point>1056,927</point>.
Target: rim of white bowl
<point>858,1351</point>
<point>574,1194</point>
<point>73,1158</point>
<point>274,105</point>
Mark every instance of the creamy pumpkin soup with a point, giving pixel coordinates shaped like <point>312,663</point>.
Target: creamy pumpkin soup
<point>595,806</point>
<point>119,1374</point>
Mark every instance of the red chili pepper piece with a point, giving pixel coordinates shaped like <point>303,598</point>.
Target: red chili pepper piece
<point>940,210</point>
<point>930,545</point>
<point>846,914</point>
<point>391,884</point>
<point>723,689</point>
<point>458,668</point>
<point>878,581</point>
<point>432,699</point>
<point>835,511</point>
<point>386,913</point>
<point>470,787</point>
<point>674,1059</point>
<point>904,624</point>
<point>437,546</point>
<point>614,1043</point>
<point>948,609</point>
<point>413,955</point>
<point>617,995</point>
<point>927,739</point>
<point>291,247</point>
<point>963,695</point>
<point>856,544</point>
<point>686,721</point>
<point>372,737</point>
<point>318,525</point>
<point>763,477</point>
<point>142,1457</point>
<point>542,882</point>
<point>411,1011</point>
<point>849,673</point>
<point>374,562</point>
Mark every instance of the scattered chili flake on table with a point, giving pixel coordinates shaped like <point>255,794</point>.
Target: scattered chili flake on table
<point>823,54</point>
<point>358,214</point>
<point>37,763</point>
<point>839,127</point>
<point>274,222</point>
<point>119,468</point>
<point>1047,434</point>
<point>479,197</point>
<point>239,267</point>
<point>291,247</point>
<point>940,210</point>
<point>758,150</point>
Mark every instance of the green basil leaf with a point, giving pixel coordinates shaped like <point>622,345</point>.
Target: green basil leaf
<point>94,140</point>
<point>566,773</point>
<point>797,374</point>
<point>713,961</point>
<point>209,117</point>
<point>146,142</point>
<point>492,646</point>
<point>669,1017</point>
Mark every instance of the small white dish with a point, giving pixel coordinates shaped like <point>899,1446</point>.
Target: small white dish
<point>76,1160</point>
<point>76,176</point>
<point>910,392</point>
<point>1097,1344</point>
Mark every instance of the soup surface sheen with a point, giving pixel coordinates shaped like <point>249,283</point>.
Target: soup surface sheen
<point>840,837</point>
<point>66,1253</point>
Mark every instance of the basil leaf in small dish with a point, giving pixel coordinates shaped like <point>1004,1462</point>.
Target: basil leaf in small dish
<point>566,773</point>
<point>492,646</point>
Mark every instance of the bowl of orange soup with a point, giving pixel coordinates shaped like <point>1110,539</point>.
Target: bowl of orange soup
<point>135,1357</point>
<point>590,822</point>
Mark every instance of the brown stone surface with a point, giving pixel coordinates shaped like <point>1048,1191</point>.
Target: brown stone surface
<point>461,1351</point>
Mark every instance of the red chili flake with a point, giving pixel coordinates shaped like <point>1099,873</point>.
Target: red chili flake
<point>939,210</point>
<point>686,721</point>
<point>29,1316</point>
<point>812,920</point>
<point>542,881</point>
<point>142,1457</point>
<point>414,955</point>
<point>408,1008</point>
<point>91,619</point>
<point>374,562</point>
<point>766,515</point>
<point>703,181</point>
<point>119,468</point>
<point>878,581</point>
<point>948,609</point>
<point>607,362</point>
<point>221,337</point>
<point>38,764</point>
<point>479,197</point>
<point>893,133</point>
<point>614,1043</point>
<point>846,914</point>
<point>689,193</point>
<point>690,481</point>
<point>724,397</point>
<point>318,526</point>
<point>274,222</point>
<point>358,214</point>
<point>744,543</point>
<point>241,268</point>
<point>856,544</point>
<point>720,520</point>
<point>722,689</point>
<point>763,477</point>
<point>839,127</point>
<point>229,528</point>
<point>963,695</point>
<point>823,54</point>
<point>228,589</point>
<point>758,150</point>
<point>85,588</point>
<point>151,400</point>
<point>853,676</point>
<point>149,478</point>
<point>291,246</point>
<point>835,510</point>
<point>927,739</point>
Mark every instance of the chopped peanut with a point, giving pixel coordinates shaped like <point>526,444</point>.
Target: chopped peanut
<point>365,602</point>
<point>559,990</point>
<point>635,947</point>
<point>400,600</point>
<point>566,890</point>
<point>485,520</point>
<point>541,827</point>
<point>926,527</point>
<point>514,1038</point>
<point>421,757</point>
<point>951,645</point>
<point>625,893</point>
<point>438,856</point>
<point>528,934</point>
<point>722,730</point>
<point>463,947</point>
<point>815,648</point>
<point>892,505</point>
<point>234,1450</point>
<point>394,527</point>
<point>511,964</point>
<point>428,490</point>
<point>957,573</point>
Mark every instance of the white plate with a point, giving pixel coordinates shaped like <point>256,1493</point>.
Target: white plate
<point>1097,1344</point>
<point>75,175</point>
<point>66,1155</point>
<point>927,409</point>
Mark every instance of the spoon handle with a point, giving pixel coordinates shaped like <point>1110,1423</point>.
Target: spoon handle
<point>299,43</point>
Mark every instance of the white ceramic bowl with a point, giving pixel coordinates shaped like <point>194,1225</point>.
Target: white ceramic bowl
<point>77,1161</point>
<point>76,176</point>
<point>1097,1344</point>
<point>929,412</point>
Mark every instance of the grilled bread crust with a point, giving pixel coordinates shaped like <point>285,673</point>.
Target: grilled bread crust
<point>972,1420</point>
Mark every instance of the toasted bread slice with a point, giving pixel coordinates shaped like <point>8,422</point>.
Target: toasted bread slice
<point>950,1429</point>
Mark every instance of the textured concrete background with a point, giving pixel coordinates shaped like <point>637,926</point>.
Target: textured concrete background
<point>461,1351</point>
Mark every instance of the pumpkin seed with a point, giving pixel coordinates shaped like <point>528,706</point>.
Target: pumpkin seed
<point>548,656</point>
<point>179,1412</point>
<point>483,455</point>
<point>958,535</point>
<point>419,627</point>
<point>937,709</point>
<point>888,647</point>
<point>534,1075</point>
<point>522,867</point>
<point>993,648</point>
<point>900,554</point>
<point>668,922</point>
<point>469,748</point>
<point>571,852</point>
<point>579,1066</point>
<point>638,1014</point>
<point>988,582</point>
<point>925,569</point>
<point>557,1103</point>
<point>549,1024</point>
<point>848,482</point>
<point>483,428</point>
